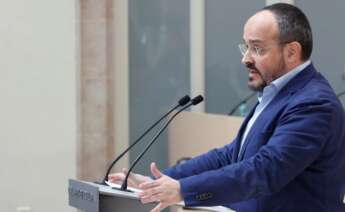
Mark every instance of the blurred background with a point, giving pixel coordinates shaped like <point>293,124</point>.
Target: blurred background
<point>82,79</point>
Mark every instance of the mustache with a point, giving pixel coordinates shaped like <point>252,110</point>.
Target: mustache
<point>251,66</point>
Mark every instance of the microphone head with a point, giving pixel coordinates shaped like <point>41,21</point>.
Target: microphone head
<point>184,100</point>
<point>196,100</point>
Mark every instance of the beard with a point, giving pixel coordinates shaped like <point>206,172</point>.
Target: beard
<point>258,79</point>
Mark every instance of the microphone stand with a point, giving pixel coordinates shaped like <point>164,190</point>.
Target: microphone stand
<point>196,100</point>
<point>241,102</point>
<point>181,102</point>
<point>124,184</point>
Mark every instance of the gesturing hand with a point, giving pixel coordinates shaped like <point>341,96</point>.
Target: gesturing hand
<point>164,190</point>
<point>133,180</point>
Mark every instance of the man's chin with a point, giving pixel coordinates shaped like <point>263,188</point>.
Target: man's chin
<point>255,86</point>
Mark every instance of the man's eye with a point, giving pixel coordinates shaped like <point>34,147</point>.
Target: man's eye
<point>258,50</point>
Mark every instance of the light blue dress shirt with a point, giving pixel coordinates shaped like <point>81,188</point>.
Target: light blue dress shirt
<point>268,93</point>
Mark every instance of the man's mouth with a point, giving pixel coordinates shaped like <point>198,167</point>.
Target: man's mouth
<point>253,74</point>
<point>253,71</point>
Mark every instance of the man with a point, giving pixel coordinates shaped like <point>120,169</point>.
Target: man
<point>289,154</point>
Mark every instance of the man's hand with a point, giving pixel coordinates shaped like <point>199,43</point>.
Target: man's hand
<point>164,190</point>
<point>134,180</point>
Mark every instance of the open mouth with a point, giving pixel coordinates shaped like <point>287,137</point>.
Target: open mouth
<point>253,72</point>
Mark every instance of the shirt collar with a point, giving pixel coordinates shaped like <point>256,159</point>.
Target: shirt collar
<point>283,80</point>
<point>280,82</point>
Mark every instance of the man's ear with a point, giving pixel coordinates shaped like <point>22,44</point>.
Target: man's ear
<point>293,52</point>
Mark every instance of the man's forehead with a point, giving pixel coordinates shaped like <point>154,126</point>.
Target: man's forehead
<point>260,27</point>
<point>263,14</point>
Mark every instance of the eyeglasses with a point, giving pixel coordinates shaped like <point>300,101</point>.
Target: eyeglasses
<point>254,50</point>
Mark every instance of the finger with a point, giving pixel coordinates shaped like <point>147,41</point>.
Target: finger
<point>116,177</point>
<point>148,200</point>
<point>155,171</point>
<point>152,198</point>
<point>160,197</point>
<point>148,185</point>
<point>150,193</point>
<point>130,181</point>
<point>159,207</point>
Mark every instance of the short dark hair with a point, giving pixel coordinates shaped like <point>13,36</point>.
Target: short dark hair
<point>293,25</point>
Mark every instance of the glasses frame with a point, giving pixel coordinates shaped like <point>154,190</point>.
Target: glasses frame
<point>256,51</point>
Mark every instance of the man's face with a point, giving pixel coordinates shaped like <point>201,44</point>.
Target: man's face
<point>264,57</point>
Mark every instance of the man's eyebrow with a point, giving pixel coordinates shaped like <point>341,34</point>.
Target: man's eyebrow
<point>255,41</point>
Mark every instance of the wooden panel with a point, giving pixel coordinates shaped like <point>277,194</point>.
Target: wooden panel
<point>194,133</point>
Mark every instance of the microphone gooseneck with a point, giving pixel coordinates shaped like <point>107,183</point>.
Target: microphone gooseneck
<point>194,101</point>
<point>183,101</point>
<point>233,110</point>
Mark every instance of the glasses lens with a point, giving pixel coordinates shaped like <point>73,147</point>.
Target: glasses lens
<point>243,48</point>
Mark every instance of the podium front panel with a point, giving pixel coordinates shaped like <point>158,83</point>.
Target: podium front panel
<point>120,204</point>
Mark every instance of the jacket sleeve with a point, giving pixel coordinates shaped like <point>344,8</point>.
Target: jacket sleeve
<point>296,142</point>
<point>211,160</point>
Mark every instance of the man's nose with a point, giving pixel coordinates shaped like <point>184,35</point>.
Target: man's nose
<point>247,58</point>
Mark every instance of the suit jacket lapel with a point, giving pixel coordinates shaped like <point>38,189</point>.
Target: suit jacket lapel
<point>240,133</point>
<point>278,101</point>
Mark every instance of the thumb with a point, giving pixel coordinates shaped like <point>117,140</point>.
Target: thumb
<point>155,171</point>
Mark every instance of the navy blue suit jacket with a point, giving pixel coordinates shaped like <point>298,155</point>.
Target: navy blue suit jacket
<point>293,158</point>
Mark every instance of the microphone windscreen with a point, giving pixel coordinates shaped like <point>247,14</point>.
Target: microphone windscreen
<point>184,100</point>
<point>196,100</point>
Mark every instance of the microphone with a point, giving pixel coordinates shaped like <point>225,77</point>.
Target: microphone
<point>233,110</point>
<point>196,100</point>
<point>183,101</point>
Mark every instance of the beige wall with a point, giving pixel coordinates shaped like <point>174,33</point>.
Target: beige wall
<point>38,97</point>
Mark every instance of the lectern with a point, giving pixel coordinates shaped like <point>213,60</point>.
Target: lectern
<point>189,135</point>
<point>91,197</point>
